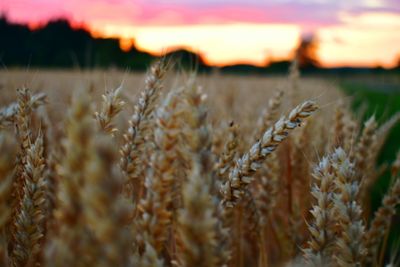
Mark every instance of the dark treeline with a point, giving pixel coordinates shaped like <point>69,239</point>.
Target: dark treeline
<point>58,45</point>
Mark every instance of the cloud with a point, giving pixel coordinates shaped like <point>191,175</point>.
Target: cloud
<point>307,13</point>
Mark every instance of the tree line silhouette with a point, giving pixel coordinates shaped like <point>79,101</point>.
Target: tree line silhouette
<point>59,45</point>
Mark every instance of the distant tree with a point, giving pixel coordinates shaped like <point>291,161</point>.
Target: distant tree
<point>14,47</point>
<point>57,44</point>
<point>307,52</point>
<point>398,62</point>
<point>188,60</point>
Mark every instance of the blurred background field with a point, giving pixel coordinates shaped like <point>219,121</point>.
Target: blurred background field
<point>240,98</point>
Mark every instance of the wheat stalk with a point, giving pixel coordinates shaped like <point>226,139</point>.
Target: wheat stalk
<point>196,222</point>
<point>7,161</point>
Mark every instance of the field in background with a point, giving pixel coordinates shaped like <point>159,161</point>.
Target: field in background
<point>239,99</point>
<point>233,98</point>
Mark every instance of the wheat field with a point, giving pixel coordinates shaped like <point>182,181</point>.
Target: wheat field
<point>171,168</point>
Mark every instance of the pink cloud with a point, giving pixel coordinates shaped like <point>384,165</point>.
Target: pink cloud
<point>308,14</point>
<point>158,12</point>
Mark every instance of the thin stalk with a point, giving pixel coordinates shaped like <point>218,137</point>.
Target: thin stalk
<point>275,234</point>
<point>384,245</point>
<point>263,254</point>
<point>239,223</point>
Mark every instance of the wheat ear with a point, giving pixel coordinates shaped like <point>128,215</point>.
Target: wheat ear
<point>321,239</point>
<point>269,114</point>
<point>71,235</point>
<point>339,126</point>
<point>223,167</point>
<point>105,212</point>
<point>8,114</point>
<point>197,223</point>
<point>134,139</point>
<point>23,118</point>
<point>349,246</point>
<point>227,158</point>
<point>240,176</point>
<point>381,222</point>
<point>396,165</point>
<point>362,157</point>
<point>155,208</point>
<point>384,130</point>
<point>112,105</point>
<point>29,223</point>
<point>382,133</point>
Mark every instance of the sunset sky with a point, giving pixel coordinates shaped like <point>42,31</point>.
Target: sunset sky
<point>350,32</point>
